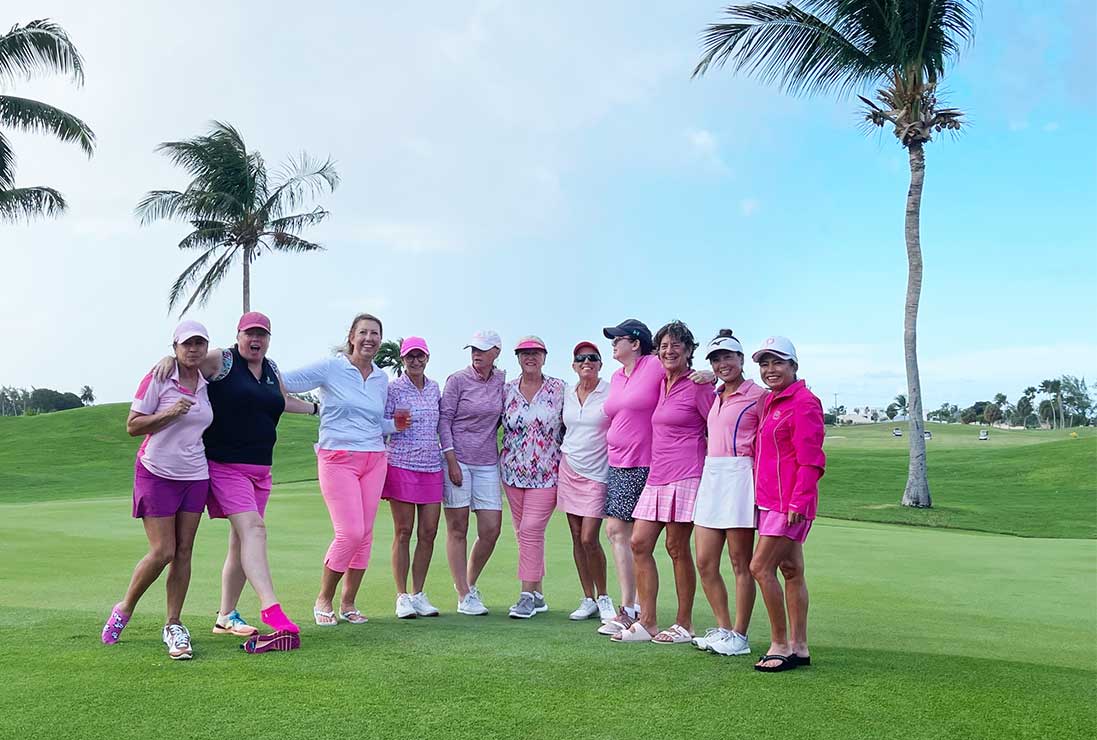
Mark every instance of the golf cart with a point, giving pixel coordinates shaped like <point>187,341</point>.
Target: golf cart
<point>896,432</point>
<point>927,434</point>
<point>984,435</point>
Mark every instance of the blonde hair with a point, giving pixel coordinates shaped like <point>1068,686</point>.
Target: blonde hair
<point>354,324</point>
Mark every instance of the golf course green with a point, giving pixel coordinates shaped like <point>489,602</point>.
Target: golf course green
<point>980,622</point>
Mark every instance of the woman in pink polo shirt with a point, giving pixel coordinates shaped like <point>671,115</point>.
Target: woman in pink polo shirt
<point>171,482</point>
<point>724,512</point>
<point>788,463</point>
<point>677,459</point>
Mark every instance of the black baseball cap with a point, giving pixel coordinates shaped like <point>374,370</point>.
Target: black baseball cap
<point>632,328</point>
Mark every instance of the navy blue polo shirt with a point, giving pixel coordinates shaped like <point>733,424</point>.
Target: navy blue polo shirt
<point>245,412</point>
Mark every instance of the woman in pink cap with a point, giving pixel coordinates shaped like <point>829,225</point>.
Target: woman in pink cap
<point>532,430</point>
<point>724,512</point>
<point>248,399</point>
<point>581,485</point>
<point>171,482</point>
<point>414,480</point>
<point>788,462</point>
<point>677,459</point>
<point>351,459</point>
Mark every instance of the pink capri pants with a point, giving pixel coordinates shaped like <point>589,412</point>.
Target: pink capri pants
<point>351,483</point>
<point>531,509</point>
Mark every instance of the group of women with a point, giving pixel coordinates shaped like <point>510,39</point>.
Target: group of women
<point>655,448</point>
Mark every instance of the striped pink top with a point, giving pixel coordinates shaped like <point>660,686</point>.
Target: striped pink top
<point>733,421</point>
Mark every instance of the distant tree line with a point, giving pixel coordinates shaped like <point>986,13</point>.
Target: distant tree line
<point>23,402</point>
<point>1065,403</point>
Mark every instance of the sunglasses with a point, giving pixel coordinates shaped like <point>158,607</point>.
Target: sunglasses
<point>592,357</point>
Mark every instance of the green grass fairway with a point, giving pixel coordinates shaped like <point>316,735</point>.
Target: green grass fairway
<point>917,632</point>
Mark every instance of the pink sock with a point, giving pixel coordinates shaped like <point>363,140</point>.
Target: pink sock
<point>274,617</point>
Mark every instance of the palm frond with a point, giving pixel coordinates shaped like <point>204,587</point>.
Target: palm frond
<point>206,234</point>
<point>7,164</point>
<point>280,241</point>
<point>159,205</point>
<point>300,179</point>
<point>298,221</point>
<point>31,115</point>
<point>17,204</point>
<point>39,46</point>
<point>219,163</point>
<point>205,284</point>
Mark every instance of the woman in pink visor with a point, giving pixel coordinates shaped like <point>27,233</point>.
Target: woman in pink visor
<point>788,463</point>
<point>171,482</point>
<point>532,429</point>
<point>414,483</point>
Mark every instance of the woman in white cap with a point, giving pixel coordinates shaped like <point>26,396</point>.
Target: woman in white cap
<point>788,464</point>
<point>468,426</point>
<point>414,483</point>
<point>171,482</point>
<point>724,512</point>
<point>581,484</point>
<point>533,404</point>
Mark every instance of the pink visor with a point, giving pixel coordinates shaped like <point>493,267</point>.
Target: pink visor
<point>253,320</point>
<point>530,342</point>
<point>414,343</point>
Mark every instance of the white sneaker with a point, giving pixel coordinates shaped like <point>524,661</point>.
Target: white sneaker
<point>587,609</point>
<point>404,608</point>
<point>606,611</point>
<point>177,638</point>
<point>422,605</point>
<point>733,644</point>
<point>705,641</point>
<point>472,604</point>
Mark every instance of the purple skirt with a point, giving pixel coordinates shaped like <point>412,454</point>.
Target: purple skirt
<point>412,487</point>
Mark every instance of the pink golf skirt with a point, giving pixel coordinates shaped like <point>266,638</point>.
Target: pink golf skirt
<point>775,524</point>
<point>236,488</point>
<point>412,487</point>
<point>672,502</point>
<point>578,495</point>
<point>154,496</point>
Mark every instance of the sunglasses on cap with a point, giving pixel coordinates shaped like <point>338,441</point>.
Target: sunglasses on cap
<point>589,357</point>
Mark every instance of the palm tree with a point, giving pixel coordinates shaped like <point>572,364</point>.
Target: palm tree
<point>236,210</point>
<point>87,395</point>
<point>901,404</point>
<point>1052,388</point>
<point>38,47</point>
<point>388,355</point>
<point>899,46</point>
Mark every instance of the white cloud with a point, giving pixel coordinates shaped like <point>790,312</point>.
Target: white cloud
<point>705,148</point>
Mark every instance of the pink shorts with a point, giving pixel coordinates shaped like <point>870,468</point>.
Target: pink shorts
<point>672,502</point>
<point>154,496</point>
<point>578,495</point>
<point>236,488</point>
<point>412,487</point>
<point>775,524</point>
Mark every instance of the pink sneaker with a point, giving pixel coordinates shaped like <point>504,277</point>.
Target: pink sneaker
<point>274,641</point>
<point>117,622</point>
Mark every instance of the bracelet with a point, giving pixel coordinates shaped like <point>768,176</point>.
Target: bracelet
<point>315,409</point>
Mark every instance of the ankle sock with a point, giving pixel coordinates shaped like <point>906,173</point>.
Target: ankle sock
<point>276,619</point>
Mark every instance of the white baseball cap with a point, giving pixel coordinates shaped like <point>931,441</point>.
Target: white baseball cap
<point>722,344</point>
<point>484,340</point>
<point>780,346</point>
<point>188,329</point>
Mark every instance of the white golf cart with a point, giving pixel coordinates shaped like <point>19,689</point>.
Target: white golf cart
<point>896,432</point>
<point>984,435</point>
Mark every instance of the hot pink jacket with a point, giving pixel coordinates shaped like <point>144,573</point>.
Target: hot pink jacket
<point>788,452</point>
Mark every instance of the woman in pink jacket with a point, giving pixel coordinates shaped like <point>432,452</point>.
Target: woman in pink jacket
<point>788,463</point>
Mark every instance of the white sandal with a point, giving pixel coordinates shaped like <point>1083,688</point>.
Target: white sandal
<point>635,633</point>
<point>675,634</point>
<point>353,616</point>
<point>318,614</point>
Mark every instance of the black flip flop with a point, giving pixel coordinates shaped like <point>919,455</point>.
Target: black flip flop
<point>788,663</point>
<point>800,659</point>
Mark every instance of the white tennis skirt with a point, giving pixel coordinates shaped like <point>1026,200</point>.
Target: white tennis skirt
<point>725,498</point>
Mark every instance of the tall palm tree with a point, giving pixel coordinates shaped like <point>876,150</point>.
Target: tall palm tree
<point>38,47</point>
<point>237,211</point>
<point>87,395</point>
<point>901,404</point>
<point>902,48</point>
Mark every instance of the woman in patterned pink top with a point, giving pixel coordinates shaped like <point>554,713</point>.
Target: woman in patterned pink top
<point>533,428</point>
<point>413,483</point>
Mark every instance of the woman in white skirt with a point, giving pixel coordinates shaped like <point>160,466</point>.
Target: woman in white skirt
<point>724,510</point>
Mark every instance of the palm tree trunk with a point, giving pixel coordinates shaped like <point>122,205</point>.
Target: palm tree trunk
<point>247,279</point>
<point>917,491</point>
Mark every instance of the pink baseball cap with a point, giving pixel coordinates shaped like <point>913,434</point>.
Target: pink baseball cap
<point>585,343</point>
<point>188,329</point>
<point>530,342</point>
<point>253,320</point>
<point>413,343</point>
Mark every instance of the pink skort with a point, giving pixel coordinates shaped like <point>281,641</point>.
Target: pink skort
<point>672,502</point>
<point>236,488</point>
<point>154,496</point>
<point>775,524</point>
<point>412,487</point>
<point>578,495</point>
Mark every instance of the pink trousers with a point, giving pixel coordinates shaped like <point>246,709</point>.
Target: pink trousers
<point>531,509</point>
<point>351,483</point>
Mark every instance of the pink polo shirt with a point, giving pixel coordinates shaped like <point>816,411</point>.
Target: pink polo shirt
<point>175,452</point>
<point>789,458</point>
<point>733,421</point>
<point>678,431</point>
<point>631,401</point>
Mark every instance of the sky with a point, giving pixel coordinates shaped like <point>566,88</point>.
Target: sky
<point>551,169</point>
